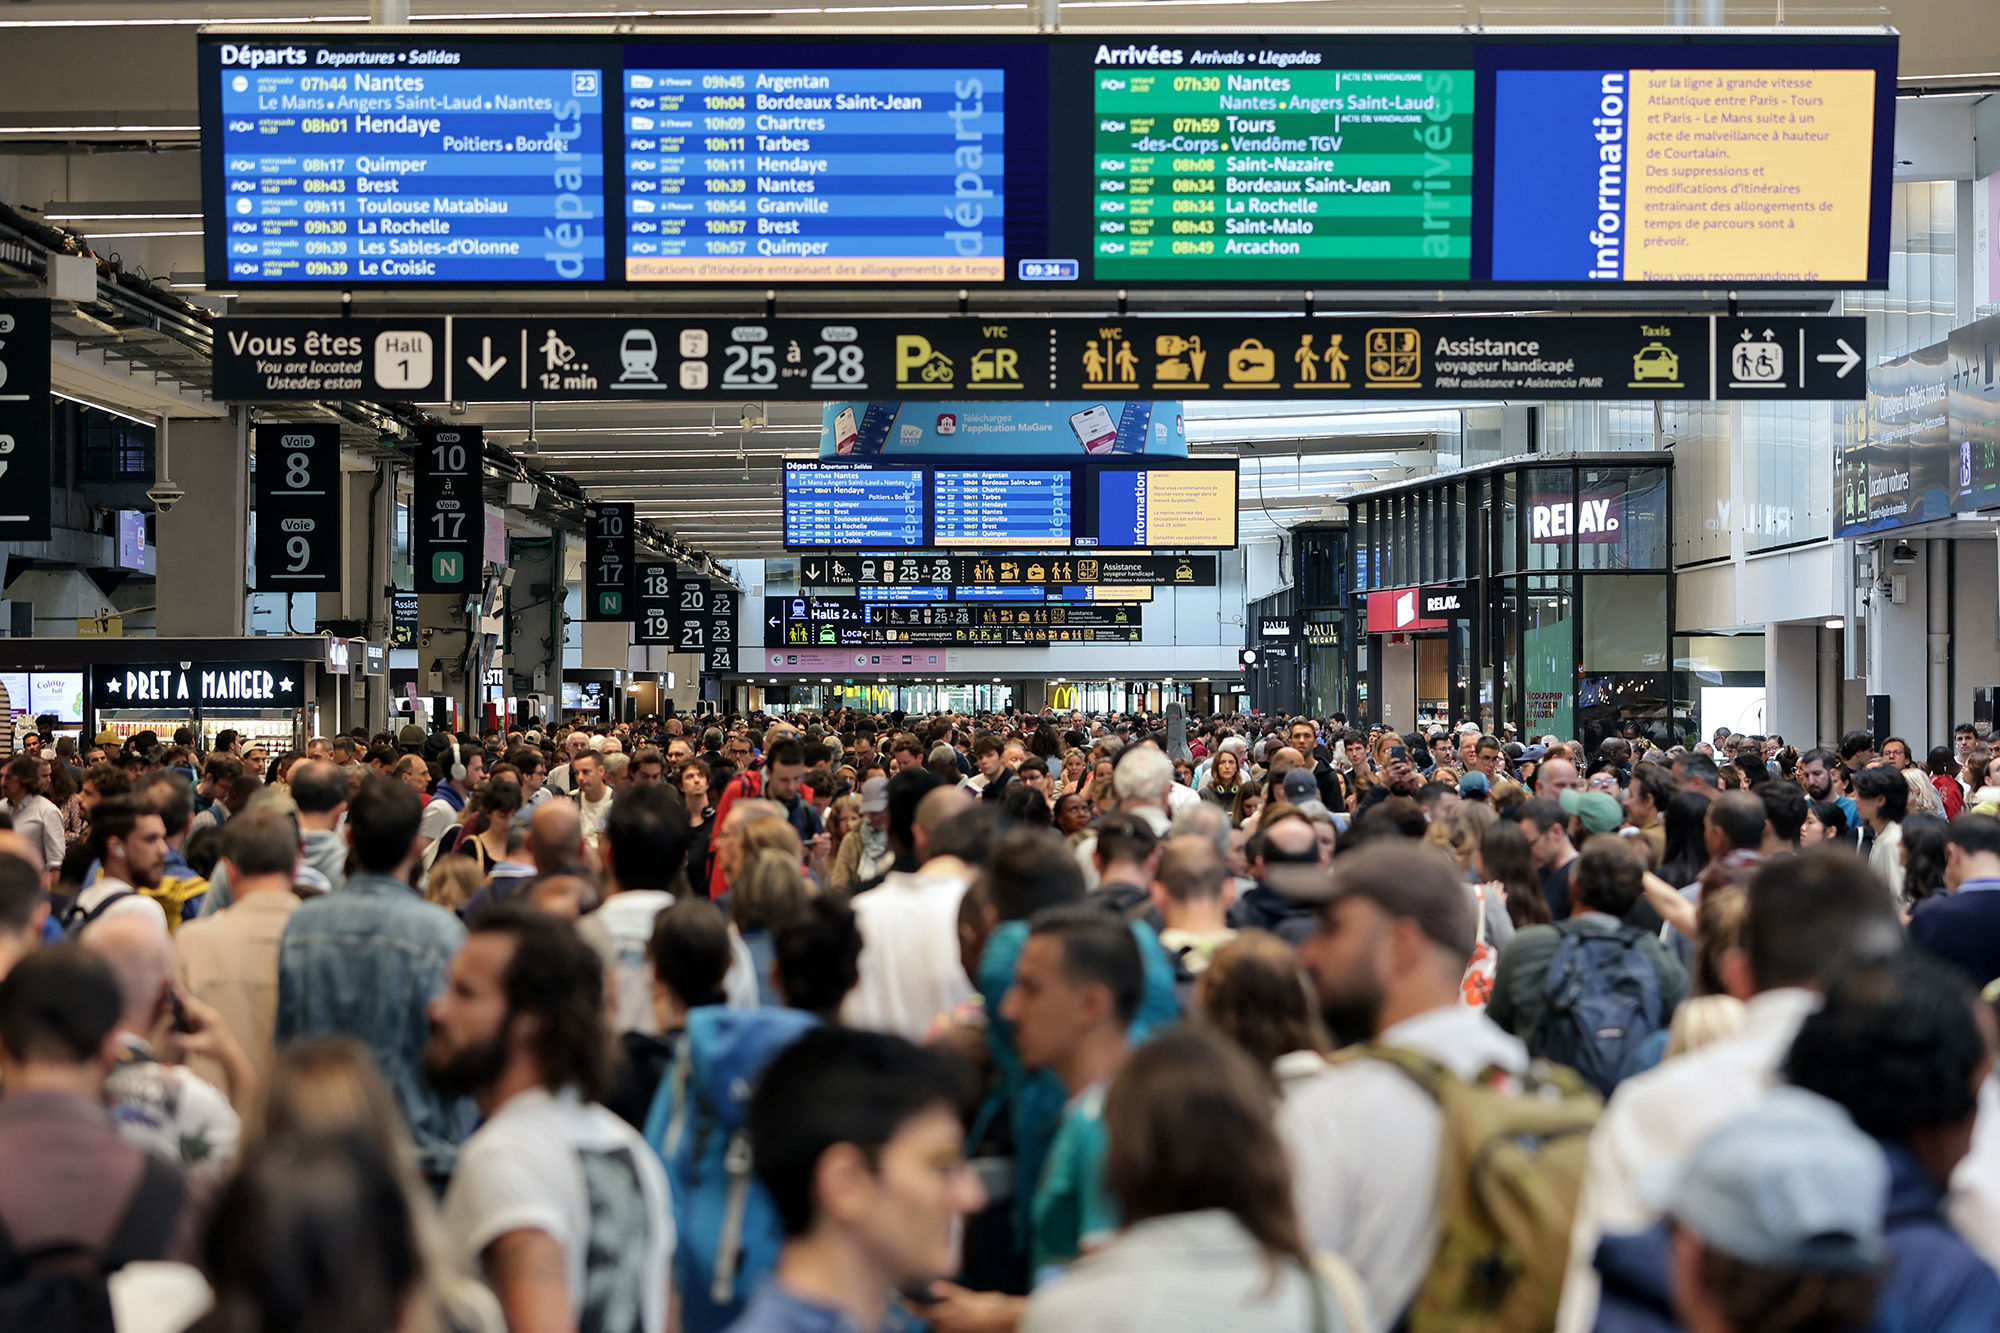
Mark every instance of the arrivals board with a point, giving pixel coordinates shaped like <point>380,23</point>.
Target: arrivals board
<point>1570,158</point>
<point>858,504</point>
<point>1010,570</point>
<point>833,622</point>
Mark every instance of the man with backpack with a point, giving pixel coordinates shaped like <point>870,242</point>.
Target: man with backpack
<point>77,1202</point>
<point>129,844</point>
<point>1590,992</point>
<point>1438,1086</point>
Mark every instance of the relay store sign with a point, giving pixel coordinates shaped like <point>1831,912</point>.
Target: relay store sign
<point>183,686</point>
<point>1400,611</point>
<point>1593,518</point>
<point>1451,602</point>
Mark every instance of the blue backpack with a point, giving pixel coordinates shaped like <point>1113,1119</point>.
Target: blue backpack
<point>1601,1006</point>
<point>727,1229</point>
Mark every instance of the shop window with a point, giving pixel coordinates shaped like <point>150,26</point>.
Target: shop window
<point>1549,509</point>
<point>1548,656</point>
<point>1719,682</point>
<point>1630,704</point>
<point>1625,623</point>
<point>1621,518</point>
<point>1506,556</point>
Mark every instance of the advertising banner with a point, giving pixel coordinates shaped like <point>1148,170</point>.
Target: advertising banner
<point>1112,427</point>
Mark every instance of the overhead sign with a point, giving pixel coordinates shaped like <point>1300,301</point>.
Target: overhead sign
<point>719,657</point>
<point>1400,611</point>
<point>1449,158</point>
<point>1278,627</point>
<point>25,440</point>
<point>1926,443</point>
<point>403,610</point>
<point>608,562</point>
<point>832,622</point>
<point>1010,570</point>
<point>987,429</point>
<point>292,358</point>
<point>1452,601</point>
<point>187,686</point>
<point>298,508</point>
<point>691,615</point>
<point>653,617</point>
<point>447,524</point>
<point>1088,361</point>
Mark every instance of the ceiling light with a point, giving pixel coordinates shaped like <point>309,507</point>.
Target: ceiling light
<point>1836,623</point>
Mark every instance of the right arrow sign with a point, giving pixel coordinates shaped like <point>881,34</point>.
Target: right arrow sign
<point>1759,356</point>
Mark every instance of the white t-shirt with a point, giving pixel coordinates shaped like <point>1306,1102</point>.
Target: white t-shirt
<point>620,931</point>
<point>595,813</point>
<point>133,903</point>
<point>548,1162</point>
<point>438,818</point>
<point>909,970</point>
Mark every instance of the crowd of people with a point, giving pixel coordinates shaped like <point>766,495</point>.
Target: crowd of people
<point>837,1023</point>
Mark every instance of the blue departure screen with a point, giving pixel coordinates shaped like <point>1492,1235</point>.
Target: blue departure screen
<point>1121,508</point>
<point>355,165</point>
<point>803,174</point>
<point>835,506</point>
<point>998,509</point>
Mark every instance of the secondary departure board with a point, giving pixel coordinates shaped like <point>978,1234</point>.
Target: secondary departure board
<point>1300,174</point>
<point>762,161</point>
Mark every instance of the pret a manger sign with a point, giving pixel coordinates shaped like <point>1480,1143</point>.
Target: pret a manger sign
<point>171,685</point>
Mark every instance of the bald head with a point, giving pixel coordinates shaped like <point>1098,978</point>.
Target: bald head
<point>141,957</point>
<point>938,805</point>
<point>1290,840</point>
<point>1555,777</point>
<point>555,835</point>
<point>1284,761</point>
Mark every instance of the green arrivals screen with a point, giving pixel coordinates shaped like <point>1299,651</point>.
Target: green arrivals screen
<point>1293,174</point>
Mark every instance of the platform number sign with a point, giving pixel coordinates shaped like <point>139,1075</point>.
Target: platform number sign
<point>720,656</point>
<point>608,563</point>
<point>448,526</point>
<point>691,616</point>
<point>298,508</point>
<point>653,618</point>
<point>26,508</point>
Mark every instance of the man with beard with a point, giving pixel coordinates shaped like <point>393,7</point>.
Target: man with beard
<point>365,962</point>
<point>1395,934</point>
<point>557,1203</point>
<point>129,842</point>
<point>1817,769</point>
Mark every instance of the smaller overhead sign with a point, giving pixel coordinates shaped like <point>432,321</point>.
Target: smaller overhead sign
<point>608,563</point>
<point>1400,611</point>
<point>653,614</point>
<point>298,507</point>
<point>293,358</point>
<point>448,522</point>
<point>25,440</point>
<point>1278,627</point>
<point>177,685</point>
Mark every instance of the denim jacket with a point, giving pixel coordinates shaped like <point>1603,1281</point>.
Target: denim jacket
<point>366,962</point>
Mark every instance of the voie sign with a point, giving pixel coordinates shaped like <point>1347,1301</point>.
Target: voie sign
<point>1591,518</point>
<point>177,685</point>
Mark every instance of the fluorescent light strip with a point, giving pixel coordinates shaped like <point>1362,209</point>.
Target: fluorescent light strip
<point>9,131</point>
<point>131,235</point>
<point>116,412</point>
<point>119,217</point>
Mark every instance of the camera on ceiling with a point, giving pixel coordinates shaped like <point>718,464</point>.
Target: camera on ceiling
<point>165,496</point>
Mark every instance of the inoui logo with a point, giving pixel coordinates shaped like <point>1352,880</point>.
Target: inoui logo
<point>1598,518</point>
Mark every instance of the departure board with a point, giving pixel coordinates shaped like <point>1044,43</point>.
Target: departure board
<point>1305,174</point>
<point>835,505</point>
<point>827,622</point>
<point>1000,509</point>
<point>803,174</point>
<point>361,163</point>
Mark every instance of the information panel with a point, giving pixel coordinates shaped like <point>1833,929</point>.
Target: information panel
<point>1429,159</point>
<point>609,567</point>
<point>817,174</point>
<point>653,618</point>
<point>298,507</point>
<point>1001,509</point>
<point>835,622</point>
<point>378,163</point>
<point>25,441</point>
<point>719,657</point>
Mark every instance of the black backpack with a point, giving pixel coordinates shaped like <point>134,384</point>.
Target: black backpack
<point>1601,1003</point>
<point>62,1287</point>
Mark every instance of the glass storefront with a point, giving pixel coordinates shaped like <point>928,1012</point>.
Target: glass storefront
<point>1565,561</point>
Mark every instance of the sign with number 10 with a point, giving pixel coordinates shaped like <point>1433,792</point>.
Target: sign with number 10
<point>448,526</point>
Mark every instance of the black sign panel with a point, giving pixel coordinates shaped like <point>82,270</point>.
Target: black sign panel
<point>1451,601</point>
<point>1292,356</point>
<point>837,622</point>
<point>176,685</point>
<point>1277,627</point>
<point>24,421</point>
<point>608,563</point>
<point>1060,570</point>
<point>691,616</point>
<point>403,632</point>
<point>448,525</point>
<point>653,612</point>
<point>298,508</point>
<point>721,652</point>
<point>294,358</point>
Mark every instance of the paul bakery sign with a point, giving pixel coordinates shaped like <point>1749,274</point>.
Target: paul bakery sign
<point>180,685</point>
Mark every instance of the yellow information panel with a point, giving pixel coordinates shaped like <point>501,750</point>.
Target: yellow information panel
<point>1191,509</point>
<point>1750,175</point>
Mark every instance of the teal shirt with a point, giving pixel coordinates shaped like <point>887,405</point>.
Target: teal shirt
<point>1071,1206</point>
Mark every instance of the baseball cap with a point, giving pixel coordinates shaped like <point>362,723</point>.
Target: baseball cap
<point>1599,811</point>
<point>411,736</point>
<point>1404,879</point>
<point>1473,782</point>
<point>1789,1183</point>
<point>874,796</point>
<point>1299,785</point>
<point>1533,752</point>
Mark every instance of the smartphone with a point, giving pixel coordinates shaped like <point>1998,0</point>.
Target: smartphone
<point>1399,752</point>
<point>182,1023</point>
<point>844,431</point>
<point>1094,429</point>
